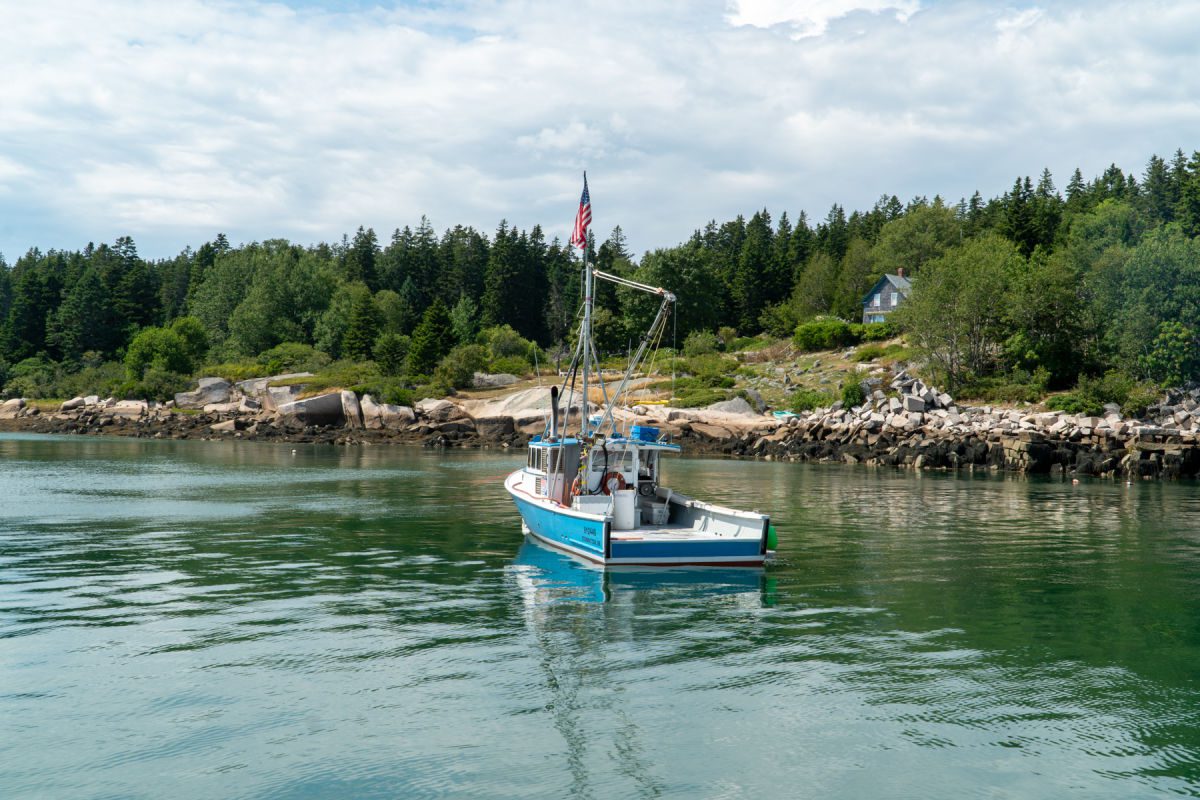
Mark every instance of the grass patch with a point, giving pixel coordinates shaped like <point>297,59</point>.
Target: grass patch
<point>695,398</point>
<point>889,353</point>
<point>807,399</point>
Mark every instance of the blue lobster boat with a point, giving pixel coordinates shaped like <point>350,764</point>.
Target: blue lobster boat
<point>598,494</point>
<point>607,505</point>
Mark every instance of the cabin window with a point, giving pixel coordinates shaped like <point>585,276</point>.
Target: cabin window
<point>875,300</point>
<point>617,462</point>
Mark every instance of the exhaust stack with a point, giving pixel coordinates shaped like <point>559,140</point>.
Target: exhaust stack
<point>553,413</point>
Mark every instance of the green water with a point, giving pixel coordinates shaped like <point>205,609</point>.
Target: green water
<point>226,620</point>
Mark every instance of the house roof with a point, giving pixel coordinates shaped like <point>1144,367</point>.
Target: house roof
<point>902,285</point>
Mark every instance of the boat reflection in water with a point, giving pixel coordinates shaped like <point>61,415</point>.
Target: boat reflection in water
<point>547,576</point>
<point>613,643</point>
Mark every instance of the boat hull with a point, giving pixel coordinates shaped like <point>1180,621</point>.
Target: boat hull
<point>591,537</point>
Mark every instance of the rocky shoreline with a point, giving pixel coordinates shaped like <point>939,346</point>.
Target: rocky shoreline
<point>912,426</point>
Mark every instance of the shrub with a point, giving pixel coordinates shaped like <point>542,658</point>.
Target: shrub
<point>780,319</point>
<point>711,370</point>
<point>459,366</point>
<point>434,388</point>
<point>824,333</point>
<point>33,378</point>
<point>1091,394</point>
<point>853,395</point>
<point>875,352</point>
<point>700,343</point>
<point>394,392</point>
<point>754,342</point>
<point>236,370</point>
<point>161,348</point>
<point>878,331</point>
<point>512,365</point>
<point>808,399</point>
<point>159,384</point>
<point>106,379</point>
<point>727,335</point>
<point>293,357</point>
<point>868,352</point>
<point>502,341</point>
<point>1140,397</point>
<point>194,336</point>
<point>695,397</point>
<point>1017,386</point>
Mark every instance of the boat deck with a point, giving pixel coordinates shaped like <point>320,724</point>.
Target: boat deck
<point>664,533</point>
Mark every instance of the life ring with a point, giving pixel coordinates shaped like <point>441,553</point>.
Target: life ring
<point>606,483</point>
<point>577,487</point>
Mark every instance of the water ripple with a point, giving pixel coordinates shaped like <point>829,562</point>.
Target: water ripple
<point>233,620</point>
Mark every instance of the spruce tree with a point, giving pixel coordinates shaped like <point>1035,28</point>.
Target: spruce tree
<point>84,320</point>
<point>363,328</point>
<point>360,258</point>
<point>431,340</point>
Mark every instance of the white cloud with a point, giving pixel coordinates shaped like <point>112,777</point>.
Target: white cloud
<point>812,17</point>
<point>171,122</point>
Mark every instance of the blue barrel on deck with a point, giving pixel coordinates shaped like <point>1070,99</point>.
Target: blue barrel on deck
<point>644,433</point>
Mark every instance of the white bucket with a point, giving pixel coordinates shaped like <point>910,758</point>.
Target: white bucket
<point>624,509</point>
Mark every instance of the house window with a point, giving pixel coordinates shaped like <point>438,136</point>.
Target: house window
<point>895,299</point>
<point>875,301</point>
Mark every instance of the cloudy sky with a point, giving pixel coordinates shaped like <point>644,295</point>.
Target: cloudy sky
<point>173,121</point>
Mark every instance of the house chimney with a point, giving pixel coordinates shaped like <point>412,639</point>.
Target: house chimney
<point>900,272</point>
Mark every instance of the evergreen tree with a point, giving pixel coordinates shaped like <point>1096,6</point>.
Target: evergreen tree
<point>800,247</point>
<point>1078,198</point>
<point>464,320</point>
<point>1018,224</point>
<point>1158,198</point>
<point>1187,209</point>
<point>514,288</point>
<point>33,301</point>
<point>562,292</point>
<point>363,328</point>
<point>755,277</point>
<point>391,352</point>
<point>6,292</point>
<point>463,256</point>
<point>833,235</point>
<point>431,340</point>
<point>360,258</point>
<point>84,321</point>
<point>1046,211</point>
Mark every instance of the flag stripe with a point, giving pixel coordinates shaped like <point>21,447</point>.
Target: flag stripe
<point>583,218</point>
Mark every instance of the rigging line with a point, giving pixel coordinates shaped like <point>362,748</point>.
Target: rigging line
<point>654,354</point>
<point>674,351</point>
<point>599,373</point>
<point>654,336</point>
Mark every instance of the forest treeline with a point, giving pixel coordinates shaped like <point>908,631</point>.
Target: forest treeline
<point>1036,287</point>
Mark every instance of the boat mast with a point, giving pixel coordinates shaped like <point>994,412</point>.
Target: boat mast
<point>585,338</point>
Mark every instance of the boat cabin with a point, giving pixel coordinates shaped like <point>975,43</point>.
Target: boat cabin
<point>589,478</point>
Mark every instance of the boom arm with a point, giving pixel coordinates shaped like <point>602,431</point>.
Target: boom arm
<point>659,320</point>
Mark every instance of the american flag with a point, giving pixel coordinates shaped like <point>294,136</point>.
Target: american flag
<point>583,218</point>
